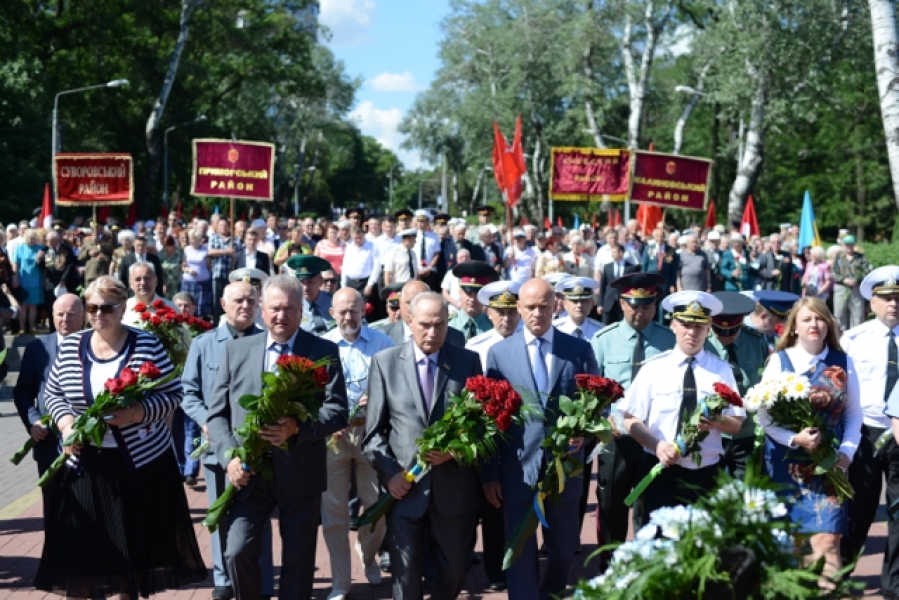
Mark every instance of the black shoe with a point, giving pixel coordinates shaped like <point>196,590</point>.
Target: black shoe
<point>385,562</point>
<point>474,558</point>
<point>222,592</point>
<point>190,481</point>
<point>497,586</point>
<point>354,524</point>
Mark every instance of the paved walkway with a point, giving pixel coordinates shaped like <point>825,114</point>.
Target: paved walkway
<point>21,537</point>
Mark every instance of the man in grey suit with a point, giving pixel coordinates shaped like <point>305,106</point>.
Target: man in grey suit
<point>239,302</point>
<point>540,362</point>
<point>409,387</point>
<point>400,331</point>
<point>300,471</point>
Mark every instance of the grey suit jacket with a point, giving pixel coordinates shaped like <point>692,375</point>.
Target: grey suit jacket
<point>301,469</point>
<point>200,373</point>
<point>397,333</point>
<point>396,418</point>
<point>519,462</point>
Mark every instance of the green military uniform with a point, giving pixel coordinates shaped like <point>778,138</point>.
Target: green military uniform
<point>470,327</point>
<point>619,358</point>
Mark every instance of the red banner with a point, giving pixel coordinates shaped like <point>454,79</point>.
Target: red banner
<point>83,179</point>
<point>589,174</point>
<point>233,169</point>
<point>671,180</point>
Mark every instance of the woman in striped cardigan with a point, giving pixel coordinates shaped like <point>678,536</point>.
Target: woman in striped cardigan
<point>118,521</point>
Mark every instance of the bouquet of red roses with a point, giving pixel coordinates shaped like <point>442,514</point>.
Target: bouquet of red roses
<point>468,430</point>
<point>291,392</point>
<point>173,329</point>
<point>582,416</point>
<point>128,389</point>
<point>687,441</point>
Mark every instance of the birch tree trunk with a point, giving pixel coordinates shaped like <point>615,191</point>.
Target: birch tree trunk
<point>886,63</point>
<point>152,129</point>
<point>688,110</point>
<point>751,160</point>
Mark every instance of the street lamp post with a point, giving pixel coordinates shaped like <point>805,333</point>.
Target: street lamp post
<point>165,157</point>
<point>53,134</point>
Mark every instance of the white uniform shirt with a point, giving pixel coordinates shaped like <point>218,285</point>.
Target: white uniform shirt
<point>397,262</point>
<point>484,342</point>
<point>852,417</point>
<point>867,346</point>
<point>589,327</point>
<point>359,263</point>
<point>432,247</point>
<point>523,262</point>
<point>656,394</point>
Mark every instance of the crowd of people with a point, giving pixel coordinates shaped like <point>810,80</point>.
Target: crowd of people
<point>407,307</point>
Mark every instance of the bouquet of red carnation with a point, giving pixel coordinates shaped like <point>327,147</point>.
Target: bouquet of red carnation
<point>687,441</point>
<point>468,430</point>
<point>583,416</point>
<point>128,389</point>
<point>291,392</point>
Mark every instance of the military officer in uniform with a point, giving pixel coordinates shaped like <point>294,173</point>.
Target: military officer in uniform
<point>746,351</point>
<point>308,268</point>
<point>471,320</point>
<point>501,300</point>
<point>577,298</point>
<point>670,385</point>
<point>390,294</point>
<point>771,310</point>
<point>621,349</point>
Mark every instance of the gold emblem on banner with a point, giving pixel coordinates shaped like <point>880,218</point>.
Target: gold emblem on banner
<point>233,155</point>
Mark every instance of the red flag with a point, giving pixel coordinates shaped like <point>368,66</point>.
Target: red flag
<point>749,225</point>
<point>164,212</point>
<point>195,212</point>
<point>559,221</point>
<point>46,220</point>
<point>614,217</point>
<point>508,163</point>
<point>103,214</point>
<point>178,209</point>
<point>523,221</point>
<point>132,215</point>
<point>710,221</point>
<point>649,217</point>
<point>547,224</point>
<point>595,223</point>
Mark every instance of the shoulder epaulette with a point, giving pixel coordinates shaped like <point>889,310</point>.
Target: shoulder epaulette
<point>607,328</point>
<point>751,331</point>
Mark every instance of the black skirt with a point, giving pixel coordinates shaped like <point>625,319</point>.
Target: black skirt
<point>112,530</point>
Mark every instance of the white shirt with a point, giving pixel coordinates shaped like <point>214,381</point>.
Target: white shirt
<point>397,262</point>
<point>867,346</point>
<point>484,342</point>
<point>523,262</point>
<point>852,417</point>
<point>589,327</point>
<point>250,260</point>
<point>100,372</point>
<point>604,257</point>
<point>656,394</point>
<point>432,247</point>
<point>359,263</point>
<point>450,283</point>
<point>271,355</point>
<point>546,347</point>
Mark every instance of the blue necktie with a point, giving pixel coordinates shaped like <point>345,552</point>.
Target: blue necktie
<point>541,379</point>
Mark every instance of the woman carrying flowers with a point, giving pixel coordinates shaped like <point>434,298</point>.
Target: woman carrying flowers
<point>810,347</point>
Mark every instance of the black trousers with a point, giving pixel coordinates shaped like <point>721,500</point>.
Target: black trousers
<point>493,537</point>
<point>218,290</point>
<point>737,454</point>
<point>866,476</point>
<point>675,486</point>
<point>618,472</point>
<point>357,284</point>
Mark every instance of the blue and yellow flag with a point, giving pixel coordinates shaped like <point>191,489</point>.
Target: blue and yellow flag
<point>808,226</point>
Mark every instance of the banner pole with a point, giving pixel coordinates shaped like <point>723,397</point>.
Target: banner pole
<point>95,224</point>
<point>232,215</point>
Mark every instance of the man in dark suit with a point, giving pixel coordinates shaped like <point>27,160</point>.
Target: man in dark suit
<point>541,363</point>
<point>400,331</point>
<point>662,259</point>
<point>140,254</point>
<point>250,256</point>
<point>608,295</point>
<point>28,395</point>
<point>239,303</point>
<point>409,388</point>
<point>300,471</point>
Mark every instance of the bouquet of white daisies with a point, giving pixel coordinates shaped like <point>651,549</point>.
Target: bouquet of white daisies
<point>792,402</point>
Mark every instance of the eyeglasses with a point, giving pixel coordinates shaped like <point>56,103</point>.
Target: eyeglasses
<point>329,280</point>
<point>106,309</point>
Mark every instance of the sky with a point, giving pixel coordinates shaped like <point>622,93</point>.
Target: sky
<point>392,46</point>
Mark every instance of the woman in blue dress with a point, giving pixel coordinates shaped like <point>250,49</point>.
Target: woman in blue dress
<point>810,347</point>
<point>28,274</point>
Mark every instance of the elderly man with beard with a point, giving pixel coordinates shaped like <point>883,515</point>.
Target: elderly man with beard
<point>357,345</point>
<point>239,303</point>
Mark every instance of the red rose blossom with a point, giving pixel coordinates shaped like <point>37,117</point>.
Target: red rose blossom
<point>145,316</point>
<point>149,370</point>
<point>114,386</point>
<point>155,321</point>
<point>729,395</point>
<point>503,421</point>
<point>837,376</point>
<point>158,303</point>
<point>779,330</point>
<point>128,377</point>
<point>140,307</point>
<point>321,377</point>
<point>493,408</point>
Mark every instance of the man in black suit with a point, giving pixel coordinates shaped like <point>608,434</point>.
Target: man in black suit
<point>409,388</point>
<point>68,317</point>
<point>400,331</point>
<point>300,469</point>
<point>140,254</point>
<point>250,256</point>
<point>608,295</point>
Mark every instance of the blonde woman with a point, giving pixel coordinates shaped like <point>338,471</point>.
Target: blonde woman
<point>28,276</point>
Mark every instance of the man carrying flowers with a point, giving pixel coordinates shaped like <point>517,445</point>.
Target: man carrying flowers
<point>409,387</point>
<point>666,393</point>
<point>298,460</point>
